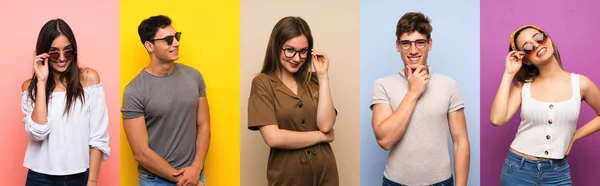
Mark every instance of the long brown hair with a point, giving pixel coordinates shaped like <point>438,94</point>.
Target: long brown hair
<point>288,28</point>
<point>528,73</point>
<point>50,31</point>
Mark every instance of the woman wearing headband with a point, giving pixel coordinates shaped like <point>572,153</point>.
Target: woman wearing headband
<point>550,100</point>
<point>66,118</point>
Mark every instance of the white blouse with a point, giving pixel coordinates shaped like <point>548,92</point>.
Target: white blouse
<point>62,145</point>
<point>547,127</point>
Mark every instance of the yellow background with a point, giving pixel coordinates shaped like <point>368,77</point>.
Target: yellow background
<point>210,43</point>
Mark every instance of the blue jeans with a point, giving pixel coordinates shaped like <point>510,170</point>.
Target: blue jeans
<point>518,170</point>
<point>150,180</point>
<point>39,179</point>
<point>448,182</point>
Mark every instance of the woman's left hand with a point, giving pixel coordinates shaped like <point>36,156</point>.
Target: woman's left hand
<point>570,146</point>
<point>320,61</point>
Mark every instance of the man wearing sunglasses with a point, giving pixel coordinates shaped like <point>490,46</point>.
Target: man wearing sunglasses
<point>165,112</point>
<point>413,111</point>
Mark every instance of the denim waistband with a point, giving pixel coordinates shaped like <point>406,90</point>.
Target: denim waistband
<point>529,162</point>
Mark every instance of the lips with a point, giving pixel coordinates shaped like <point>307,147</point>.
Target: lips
<point>294,65</point>
<point>176,51</point>
<point>414,59</point>
<point>61,64</point>
<point>542,51</point>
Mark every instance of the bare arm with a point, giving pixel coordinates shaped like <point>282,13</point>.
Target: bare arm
<point>389,126</point>
<point>325,111</point>
<point>99,138</point>
<point>137,136</point>
<point>506,103</point>
<point>591,95</point>
<point>95,159</point>
<point>287,139</point>
<point>203,134</point>
<point>461,146</point>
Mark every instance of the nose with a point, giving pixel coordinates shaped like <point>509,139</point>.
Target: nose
<point>413,49</point>
<point>296,57</point>
<point>62,57</point>
<point>175,42</point>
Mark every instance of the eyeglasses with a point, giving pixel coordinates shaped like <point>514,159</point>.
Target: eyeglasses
<point>55,54</point>
<point>419,43</point>
<point>529,48</point>
<point>290,53</point>
<point>169,39</point>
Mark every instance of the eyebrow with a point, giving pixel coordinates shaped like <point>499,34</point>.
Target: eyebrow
<point>288,46</point>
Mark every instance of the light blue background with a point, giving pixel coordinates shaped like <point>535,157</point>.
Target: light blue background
<point>455,53</point>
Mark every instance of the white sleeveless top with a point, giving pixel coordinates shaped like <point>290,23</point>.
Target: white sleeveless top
<point>546,128</point>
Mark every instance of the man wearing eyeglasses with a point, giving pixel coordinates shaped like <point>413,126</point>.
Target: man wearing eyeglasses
<point>413,111</point>
<point>165,112</point>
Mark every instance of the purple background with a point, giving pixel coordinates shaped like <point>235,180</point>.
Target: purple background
<point>574,27</point>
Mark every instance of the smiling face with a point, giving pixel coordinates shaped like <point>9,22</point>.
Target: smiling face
<point>61,53</point>
<point>414,48</point>
<point>161,49</point>
<point>536,45</point>
<point>293,54</point>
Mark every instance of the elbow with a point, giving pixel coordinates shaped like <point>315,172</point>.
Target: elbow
<point>385,144</point>
<point>139,156</point>
<point>497,122</point>
<point>326,129</point>
<point>272,141</point>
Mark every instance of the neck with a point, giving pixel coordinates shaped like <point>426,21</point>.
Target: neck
<point>550,69</point>
<point>286,76</point>
<point>159,67</point>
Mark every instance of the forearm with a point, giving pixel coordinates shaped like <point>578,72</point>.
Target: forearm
<point>287,139</point>
<point>154,163</point>
<point>499,110</point>
<point>325,111</point>
<point>95,160</point>
<point>461,161</point>
<point>40,113</point>
<point>202,145</point>
<point>587,129</point>
<point>391,130</point>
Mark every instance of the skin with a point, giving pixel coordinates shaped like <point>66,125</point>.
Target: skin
<point>508,99</point>
<point>162,58</point>
<point>88,78</point>
<point>389,126</point>
<point>287,139</point>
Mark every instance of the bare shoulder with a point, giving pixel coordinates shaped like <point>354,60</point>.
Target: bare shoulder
<point>89,77</point>
<point>585,82</point>
<point>25,85</point>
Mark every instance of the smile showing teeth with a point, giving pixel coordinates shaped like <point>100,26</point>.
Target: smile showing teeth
<point>413,58</point>
<point>542,51</point>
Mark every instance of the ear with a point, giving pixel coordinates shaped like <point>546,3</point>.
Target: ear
<point>430,44</point>
<point>397,45</point>
<point>149,46</point>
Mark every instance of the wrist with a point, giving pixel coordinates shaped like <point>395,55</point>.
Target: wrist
<point>412,95</point>
<point>322,76</point>
<point>41,84</point>
<point>320,135</point>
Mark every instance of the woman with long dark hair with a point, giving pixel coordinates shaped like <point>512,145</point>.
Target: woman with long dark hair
<point>550,101</point>
<point>293,109</point>
<point>65,111</point>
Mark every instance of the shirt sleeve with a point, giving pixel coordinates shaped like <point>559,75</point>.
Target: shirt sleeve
<point>456,101</point>
<point>35,131</point>
<point>99,138</point>
<point>201,85</point>
<point>261,110</point>
<point>133,106</point>
<point>378,94</point>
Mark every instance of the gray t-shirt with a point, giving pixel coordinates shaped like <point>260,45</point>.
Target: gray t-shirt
<point>169,105</point>
<point>421,157</point>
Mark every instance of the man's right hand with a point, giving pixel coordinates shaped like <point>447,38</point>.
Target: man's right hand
<point>417,80</point>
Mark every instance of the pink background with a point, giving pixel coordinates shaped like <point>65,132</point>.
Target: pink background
<point>96,28</point>
<point>573,27</point>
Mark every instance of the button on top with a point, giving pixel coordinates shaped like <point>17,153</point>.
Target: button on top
<point>548,137</point>
<point>302,121</point>
<point>545,152</point>
<point>300,105</point>
<point>551,106</point>
<point>550,121</point>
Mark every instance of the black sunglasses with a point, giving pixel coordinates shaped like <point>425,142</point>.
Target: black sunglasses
<point>169,39</point>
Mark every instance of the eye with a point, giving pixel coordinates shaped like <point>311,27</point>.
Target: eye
<point>303,51</point>
<point>421,42</point>
<point>539,37</point>
<point>404,43</point>
<point>289,50</point>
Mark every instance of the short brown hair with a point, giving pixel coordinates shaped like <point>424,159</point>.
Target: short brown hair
<point>414,21</point>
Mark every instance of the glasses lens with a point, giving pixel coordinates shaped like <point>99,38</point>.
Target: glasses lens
<point>178,36</point>
<point>169,40</point>
<point>54,55</point>
<point>303,53</point>
<point>405,44</point>
<point>68,54</point>
<point>540,38</point>
<point>528,48</point>
<point>421,43</point>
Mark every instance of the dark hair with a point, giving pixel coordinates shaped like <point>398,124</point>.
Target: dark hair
<point>530,72</point>
<point>148,27</point>
<point>413,21</point>
<point>286,29</point>
<point>50,31</point>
